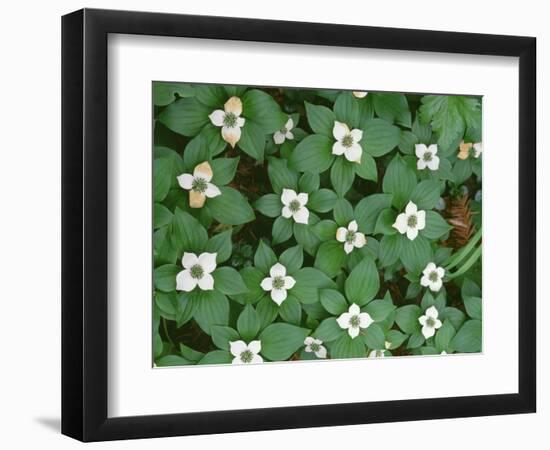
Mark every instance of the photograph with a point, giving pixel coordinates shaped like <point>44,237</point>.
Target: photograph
<point>311,224</point>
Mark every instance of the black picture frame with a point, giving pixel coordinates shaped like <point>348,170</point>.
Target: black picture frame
<point>84,224</point>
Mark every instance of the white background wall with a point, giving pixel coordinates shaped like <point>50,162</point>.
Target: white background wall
<point>30,223</point>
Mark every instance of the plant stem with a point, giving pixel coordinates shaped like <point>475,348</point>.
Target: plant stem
<point>165,326</point>
<point>469,263</point>
<point>462,253</point>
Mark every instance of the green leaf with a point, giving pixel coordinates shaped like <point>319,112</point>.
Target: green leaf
<point>346,109</point>
<point>187,305</point>
<point>162,215</point>
<point>390,250</point>
<point>165,277</point>
<point>363,282</point>
<point>305,237</point>
<point>220,244</point>
<point>462,170</point>
<point>470,289</point>
<point>407,142</point>
<point>252,277</point>
<point>328,330</point>
<point>269,205</point>
<point>228,281</point>
<point>399,180</point>
<point>468,337</point>
<point>172,360</point>
<point>330,257</point>
<point>252,140</point>
<point>190,354</point>
<point>320,119</point>
<point>267,311</point>
<point>374,337</point>
<point>436,226</point>
<point>333,301</point>
<point>231,207</point>
<point>415,254</point>
<point>167,303</point>
<point>342,175</point>
<point>281,340</point>
<point>216,357</point>
<point>393,108</point>
<point>416,340</point>
<point>406,318</point>
<point>165,93</point>
<point>395,338</point>
<point>264,257</point>
<point>195,153</point>
<point>385,221</point>
<point>368,210</point>
<point>186,116</point>
<point>379,310</point>
<point>212,139</point>
<point>223,170</point>
<point>313,154</point>
<point>223,335</point>
<point>282,230</point>
<point>211,95</point>
<point>455,316</point>
<point>308,276</point>
<point>292,258</point>
<point>188,235</point>
<point>346,347</point>
<point>367,168</point>
<point>280,176</point>
<point>291,310</point>
<point>212,309</point>
<point>309,182</point>
<point>443,336</point>
<point>343,212</point>
<point>379,137</point>
<point>248,323</point>
<point>261,108</point>
<point>325,229</point>
<point>322,200</point>
<point>473,307</point>
<point>162,178</point>
<point>426,194</point>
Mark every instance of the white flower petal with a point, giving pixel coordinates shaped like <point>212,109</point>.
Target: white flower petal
<point>309,340</point>
<point>231,135</point>
<point>422,320</point>
<point>354,153</point>
<point>301,216</point>
<point>360,240</point>
<point>436,285</point>
<point>427,331</point>
<point>278,137</point>
<point>429,268</point>
<point>410,209</point>
<point>289,125</point>
<point>212,191</point>
<point>440,271</point>
<point>420,220</point>
<point>277,270</point>
<point>237,347</point>
<point>437,324</point>
<point>217,117</point>
<point>206,283</point>
<point>208,261</point>
<point>286,212</point>
<point>354,309</point>
<point>233,105</point>
<point>432,149</point>
<point>421,164</point>
<point>353,332</point>
<point>359,94</point>
<point>339,130</point>
<point>289,135</point>
<point>356,134</point>
<point>352,226</point>
<point>267,284</point>
<point>478,148</point>
<point>185,180</point>
<point>348,247</point>
<point>433,164</point>
<point>189,260</point>
<point>255,347</point>
<point>419,150</point>
<point>401,223</point>
<point>341,233</point>
<point>432,312</point>
<point>425,281</point>
<point>343,320</point>
<point>338,149</point>
<point>185,282</point>
<point>257,359</point>
<point>240,122</point>
<point>365,320</point>
<point>303,198</point>
<point>289,282</point>
<point>203,170</point>
<point>237,360</point>
<point>287,196</point>
<point>412,233</point>
<point>321,353</point>
<point>278,296</point>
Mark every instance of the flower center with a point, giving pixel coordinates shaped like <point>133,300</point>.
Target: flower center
<point>230,120</point>
<point>347,141</point>
<point>284,130</point>
<point>350,236</point>
<point>199,185</point>
<point>433,276</point>
<point>412,221</point>
<point>314,347</point>
<point>427,156</point>
<point>197,271</point>
<point>294,205</point>
<point>354,321</point>
<point>430,321</point>
<point>278,282</point>
<point>246,356</point>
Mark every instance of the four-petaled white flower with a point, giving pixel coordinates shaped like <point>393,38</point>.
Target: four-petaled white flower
<point>350,237</point>
<point>229,119</point>
<point>294,206</point>
<point>410,221</point>
<point>284,133</point>
<point>347,142</point>
<point>430,322</point>
<point>196,272</point>
<point>426,157</point>
<point>315,346</point>
<point>432,277</point>
<point>359,94</point>
<point>354,320</point>
<point>278,283</point>
<point>246,354</point>
<point>468,148</point>
<point>199,185</point>
<point>377,354</point>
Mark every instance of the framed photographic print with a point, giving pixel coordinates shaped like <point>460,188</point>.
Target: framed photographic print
<point>268,224</point>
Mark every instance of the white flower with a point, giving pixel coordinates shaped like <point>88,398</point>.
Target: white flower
<point>354,320</point>
<point>430,322</point>
<point>229,119</point>
<point>443,352</point>
<point>314,345</point>
<point>246,354</point>
<point>196,272</point>
<point>278,283</point>
<point>360,94</point>
<point>347,142</point>
<point>377,354</point>
<point>387,345</point>
<point>467,148</point>
<point>410,221</point>
<point>284,133</point>
<point>426,157</point>
<point>294,206</point>
<point>199,185</point>
<point>478,148</point>
<point>350,237</point>
<point>432,277</point>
